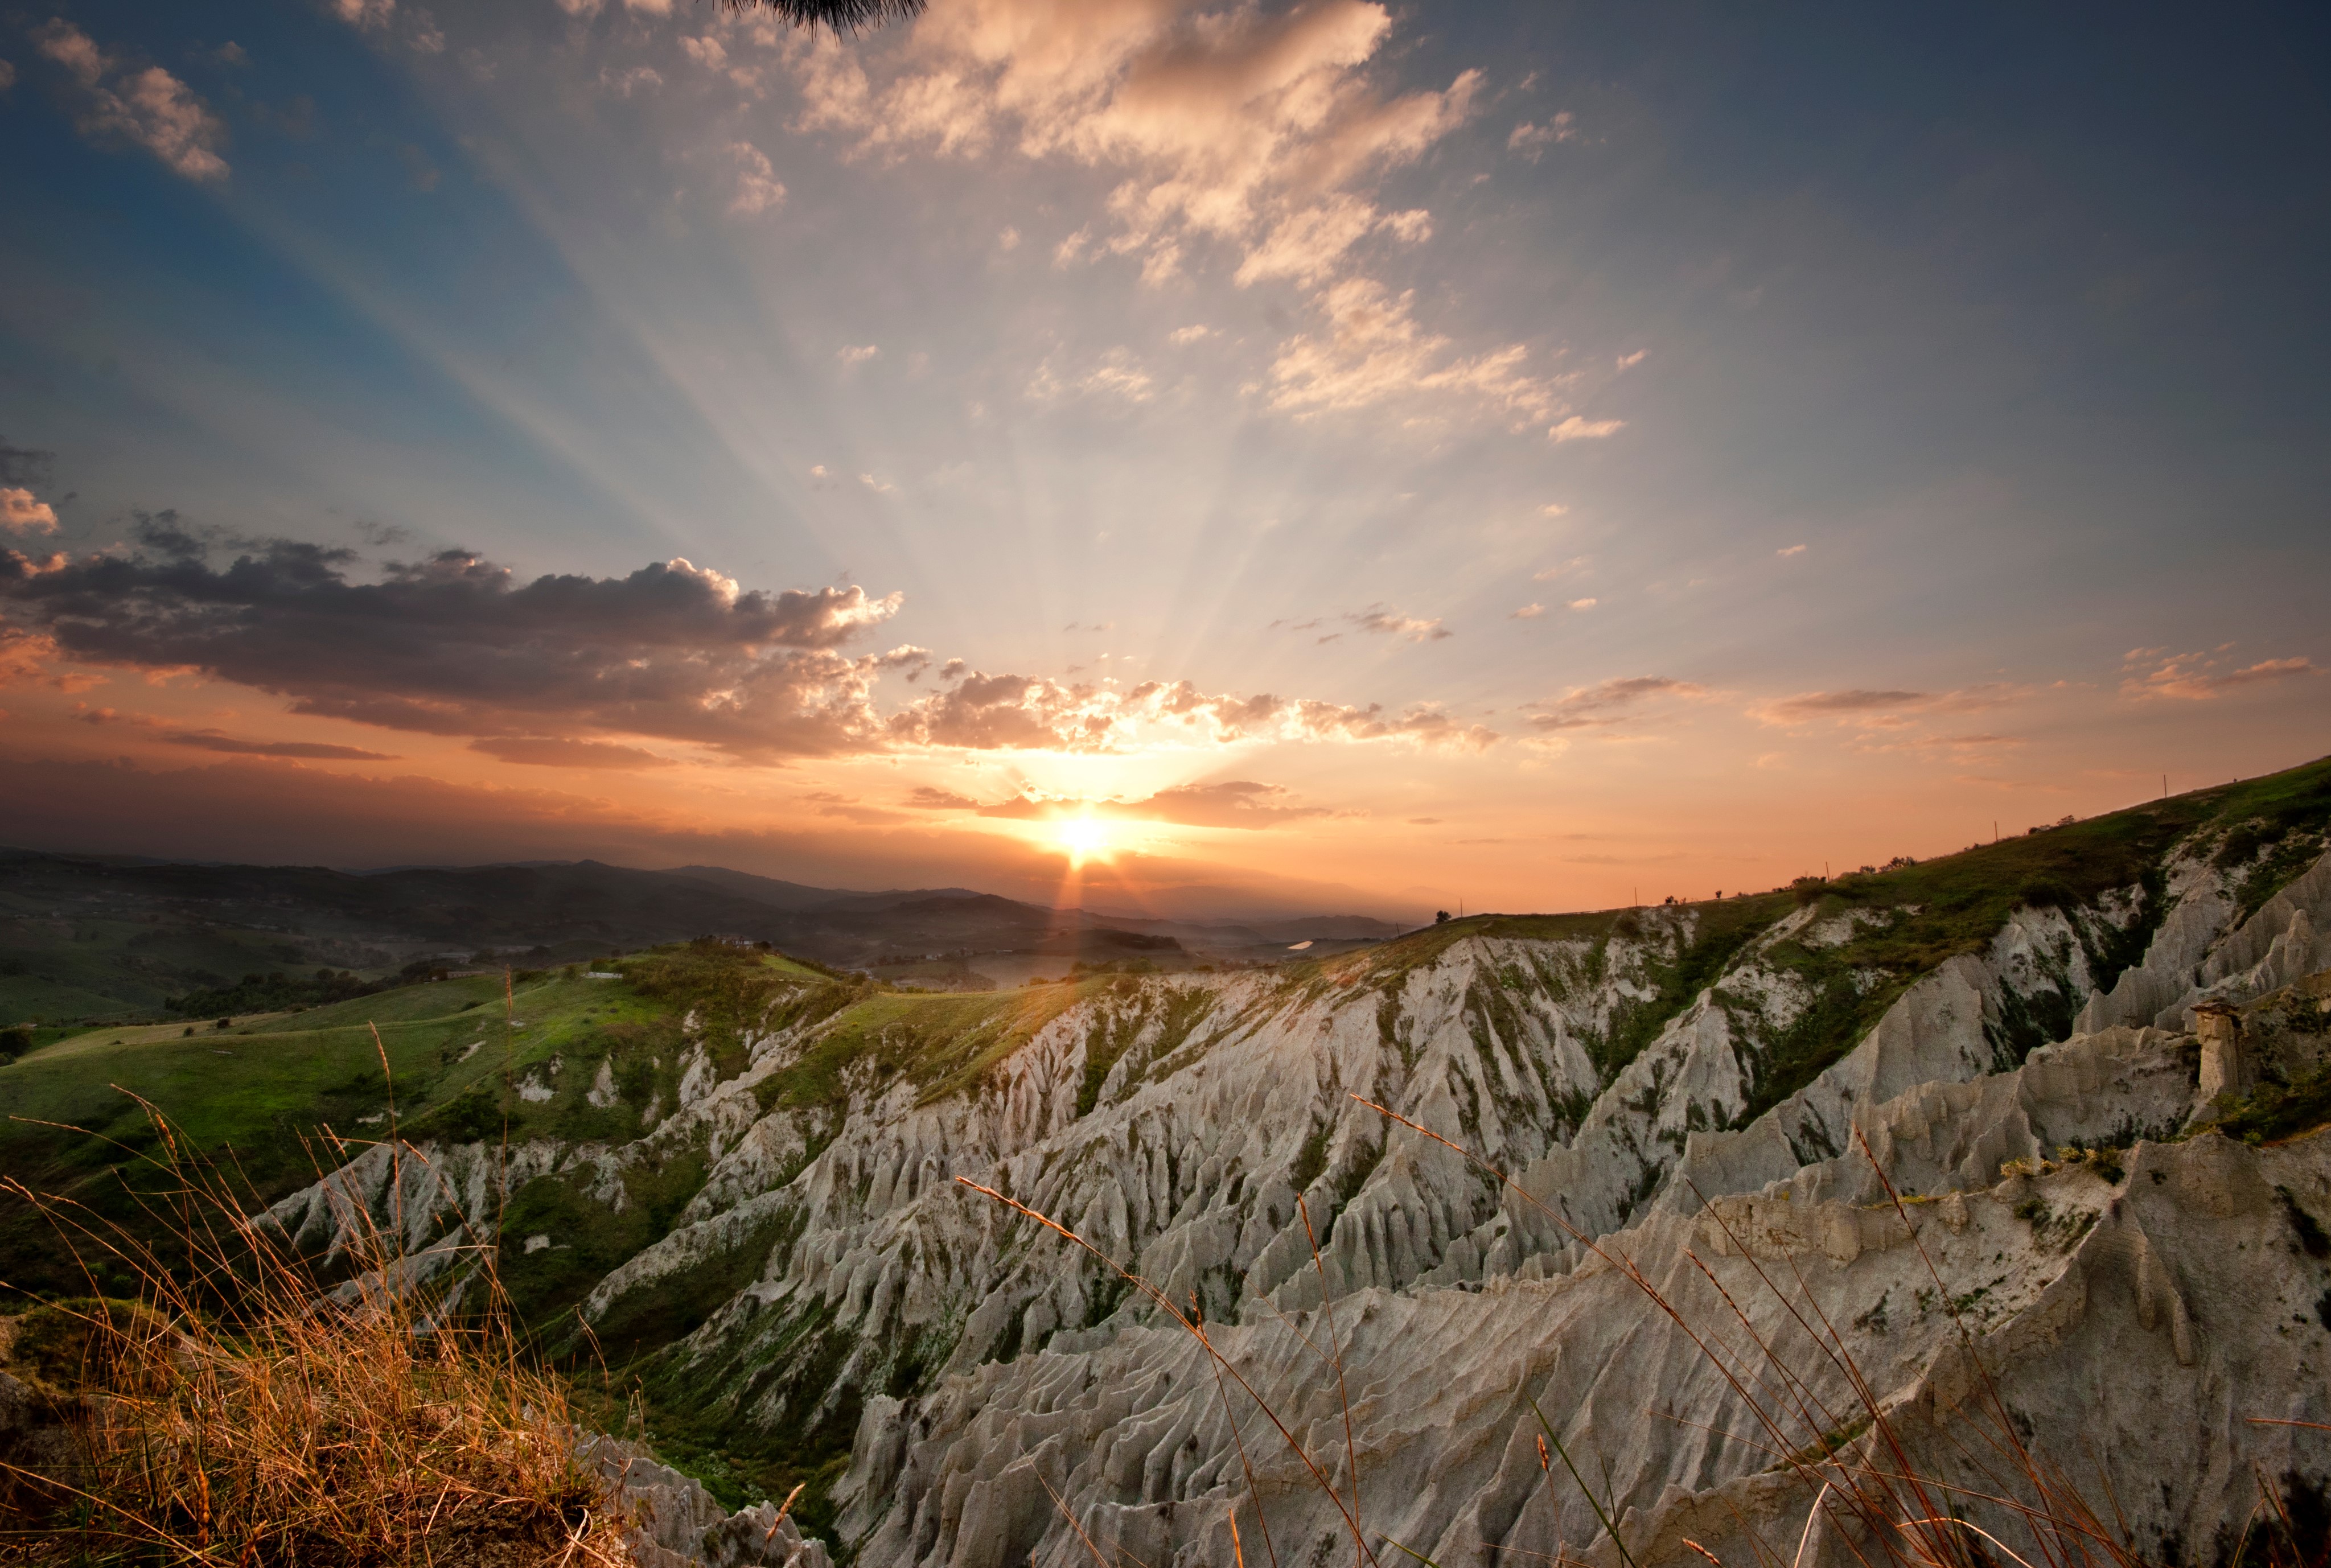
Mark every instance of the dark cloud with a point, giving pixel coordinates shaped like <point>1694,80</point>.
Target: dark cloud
<point>1387,623</point>
<point>928,799</point>
<point>849,809</point>
<point>1815,704</point>
<point>1875,708</point>
<point>1377,618</point>
<point>23,465</point>
<point>232,745</point>
<point>454,644</point>
<point>213,740</point>
<point>549,751</point>
<point>1611,702</point>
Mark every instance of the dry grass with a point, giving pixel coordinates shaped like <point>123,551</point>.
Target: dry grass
<point>241,1412</point>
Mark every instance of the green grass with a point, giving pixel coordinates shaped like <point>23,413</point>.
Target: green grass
<point>267,1089</point>
<point>57,963</point>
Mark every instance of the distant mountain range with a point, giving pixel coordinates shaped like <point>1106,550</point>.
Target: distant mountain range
<point>87,936</point>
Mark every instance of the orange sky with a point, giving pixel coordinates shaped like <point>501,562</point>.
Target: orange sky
<point>1315,457</point>
<point>1716,796</point>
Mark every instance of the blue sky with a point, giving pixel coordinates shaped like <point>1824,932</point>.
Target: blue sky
<point>1624,443</point>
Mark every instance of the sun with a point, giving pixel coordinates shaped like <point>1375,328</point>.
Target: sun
<point>1082,838</point>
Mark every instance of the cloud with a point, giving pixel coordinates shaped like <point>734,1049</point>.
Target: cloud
<point>1236,137</point>
<point>857,354</point>
<point>1116,374</point>
<point>1875,708</point>
<point>1532,140</point>
<point>632,79</point>
<point>150,107</point>
<point>1237,804</point>
<point>550,751</point>
<point>455,645</point>
<point>214,740</point>
<point>1789,551</point>
<point>1262,132</point>
<point>1561,569</point>
<point>1309,245</point>
<point>1613,702</point>
<point>757,187</point>
<point>8,75</point>
<point>1629,361</point>
<point>1527,613</point>
<point>220,741</point>
<point>1393,623</point>
<point>1827,704</point>
<point>983,712</point>
<point>25,657</point>
<point>566,670</point>
<point>20,513</point>
<point>925,798</point>
<point>1182,337</point>
<point>364,13</point>
<point>1553,509</point>
<point>1576,428</point>
<point>1374,351</point>
<point>2148,674</point>
<point>1584,604</point>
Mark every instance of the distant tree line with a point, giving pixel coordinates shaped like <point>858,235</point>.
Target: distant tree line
<point>276,992</point>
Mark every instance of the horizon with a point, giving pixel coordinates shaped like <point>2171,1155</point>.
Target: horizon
<point>1152,454</point>
<point>1181,912</point>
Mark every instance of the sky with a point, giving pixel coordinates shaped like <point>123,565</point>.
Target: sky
<point>1159,455</point>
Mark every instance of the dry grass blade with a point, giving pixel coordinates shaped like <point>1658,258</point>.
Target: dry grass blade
<point>1898,1502</point>
<point>1197,1331</point>
<point>1609,1528</point>
<point>1336,1357</point>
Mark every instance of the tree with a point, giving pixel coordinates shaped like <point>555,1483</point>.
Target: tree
<point>1441,916</point>
<point>842,16</point>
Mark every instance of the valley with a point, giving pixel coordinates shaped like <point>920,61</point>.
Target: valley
<point>734,1177</point>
